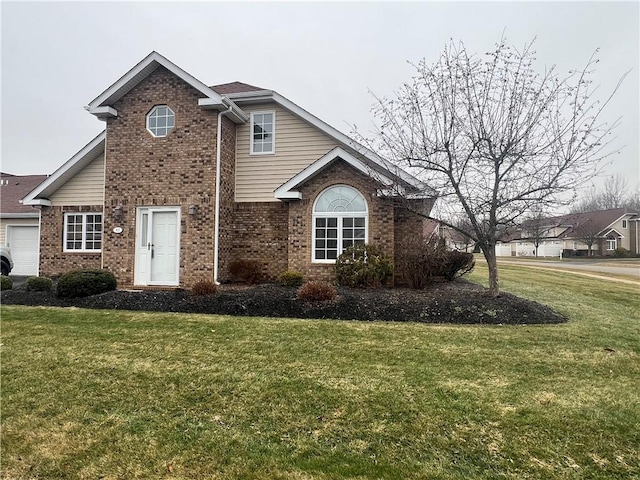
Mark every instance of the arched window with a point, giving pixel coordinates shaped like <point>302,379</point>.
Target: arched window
<point>339,221</point>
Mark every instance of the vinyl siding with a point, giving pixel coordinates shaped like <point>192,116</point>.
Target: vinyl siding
<point>86,188</point>
<point>297,145</point>
<point>617,226</point>
<point>14,221</point>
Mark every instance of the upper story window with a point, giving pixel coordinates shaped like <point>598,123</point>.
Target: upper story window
<point>339,221</point>
<point>263,127</point>
<point>82,232</point>
<point>160,120</point>
<point>624,224</point>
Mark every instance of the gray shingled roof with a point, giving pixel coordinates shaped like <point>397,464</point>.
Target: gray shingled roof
<point>234,87</point>
<point>13,188</point>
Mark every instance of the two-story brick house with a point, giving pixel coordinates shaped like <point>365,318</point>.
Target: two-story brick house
<point>187,178</point>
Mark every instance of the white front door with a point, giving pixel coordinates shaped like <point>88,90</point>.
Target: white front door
<point>157,246</point>
<point>23,242</point>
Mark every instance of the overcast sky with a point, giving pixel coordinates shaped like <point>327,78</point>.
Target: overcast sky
<point>326,57</point>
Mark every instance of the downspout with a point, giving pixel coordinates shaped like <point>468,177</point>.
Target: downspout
<point>216,239</point>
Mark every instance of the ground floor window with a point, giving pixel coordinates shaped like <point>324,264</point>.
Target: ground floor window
<point>612,244</point>
<point>339,221</point>
<point>82,232</point>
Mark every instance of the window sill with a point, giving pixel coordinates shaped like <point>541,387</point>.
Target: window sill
<point>81,251</point>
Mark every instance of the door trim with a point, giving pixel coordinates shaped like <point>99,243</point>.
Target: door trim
<point>144,279</point>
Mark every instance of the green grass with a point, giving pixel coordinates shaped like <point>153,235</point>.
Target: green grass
<point>107,394</point>
<point>569,262</point>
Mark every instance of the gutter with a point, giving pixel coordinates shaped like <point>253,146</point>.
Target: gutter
<point>216,239</point>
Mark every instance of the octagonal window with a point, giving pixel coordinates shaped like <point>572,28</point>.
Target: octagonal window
<point>160,120</point>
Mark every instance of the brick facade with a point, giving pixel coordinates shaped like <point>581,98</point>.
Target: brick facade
<point>408,222</point>
<point>227,236</point>
<point>279,235</point>
<point>260,234</point>
<point>177,170</point>
<point>380,226</point>
<point>54,261</point>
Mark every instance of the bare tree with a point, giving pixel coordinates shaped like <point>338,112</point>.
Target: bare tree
<point>587,232</point>
<point>464,225</point>
<point>537,228</point>
<point>614,194</point>
<point>494,135</point>
<point>633,201</point>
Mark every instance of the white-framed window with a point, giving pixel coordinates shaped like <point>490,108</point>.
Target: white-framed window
<point>612,244</point>
<point>82,232</point>
<point>160,120</point>
<point>339,221</point>
<point>624,224</point>
<point>263,129</point>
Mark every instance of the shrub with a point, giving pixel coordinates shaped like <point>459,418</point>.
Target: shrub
<point>247,271</point>
<point>457,264</point>
<point>363,266</point>
<point>38,284</point>
<point>421,260</point>
<point>621,252</point>
<point>83,283</point>
<point>290,278</point>
<point>5,283</point>
<point>314,291</point>
<point>204,287</point>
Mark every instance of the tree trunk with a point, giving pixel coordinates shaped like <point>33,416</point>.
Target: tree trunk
<point>492,263</point>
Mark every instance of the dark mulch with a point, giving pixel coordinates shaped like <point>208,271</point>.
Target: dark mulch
<point>455,302</point>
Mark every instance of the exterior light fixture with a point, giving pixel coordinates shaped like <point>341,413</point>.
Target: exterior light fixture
<point>117,213</point>
<point>193,210</point>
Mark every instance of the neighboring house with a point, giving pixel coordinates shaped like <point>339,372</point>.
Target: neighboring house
<point>187,178</point>
<point>454,240</point>
<point>589,233</point>
<point>19,224</point>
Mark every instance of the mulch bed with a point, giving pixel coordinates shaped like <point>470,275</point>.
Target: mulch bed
<point>453,302</point>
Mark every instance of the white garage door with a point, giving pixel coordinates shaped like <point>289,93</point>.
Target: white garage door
<point>23,242</point>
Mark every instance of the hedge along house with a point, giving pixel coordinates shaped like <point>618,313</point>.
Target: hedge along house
<point>187,178</point>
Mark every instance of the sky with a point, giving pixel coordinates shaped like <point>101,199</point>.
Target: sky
<point>327,57</point>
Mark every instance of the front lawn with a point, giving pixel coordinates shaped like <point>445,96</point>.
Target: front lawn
<point>115,394</point>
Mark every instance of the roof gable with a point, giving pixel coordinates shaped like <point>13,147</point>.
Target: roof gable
<point>102,105</point>
<point>287,191</point>
<point>597,221</point>
<point>91,151</point>
<point>228,96</point>
<point>375,162</point>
